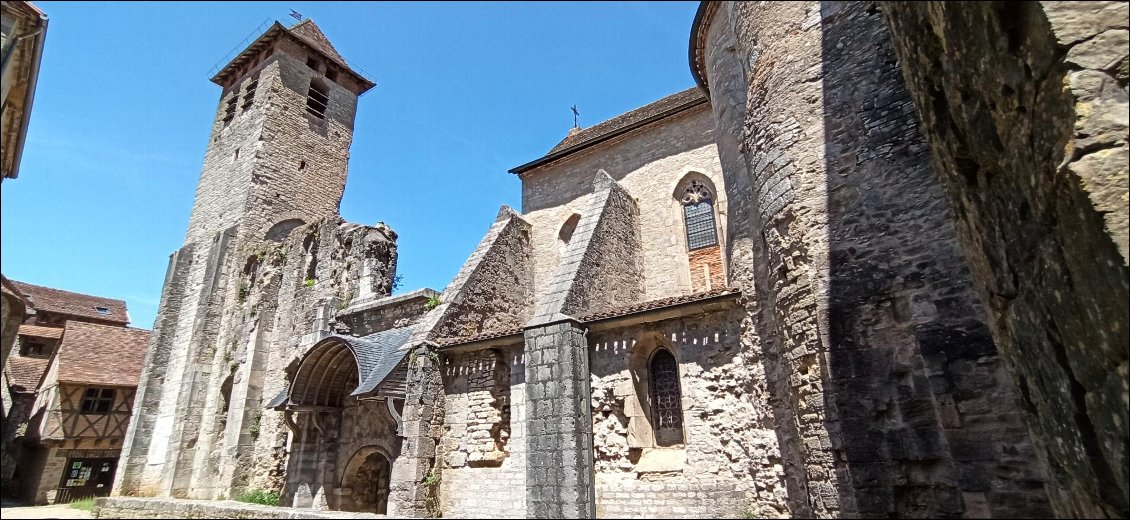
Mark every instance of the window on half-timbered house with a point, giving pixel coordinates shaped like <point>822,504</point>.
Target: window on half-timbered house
<point>98,400</point>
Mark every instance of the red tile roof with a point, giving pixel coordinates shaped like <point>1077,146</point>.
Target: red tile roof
<point>459,340</point>
<point>597,316</point>
<point>24,373</point>
<point>309,32</point>
<point>657,304</point>
<point>102,354</point>
<point>36,331</point>
<point>73,304</point>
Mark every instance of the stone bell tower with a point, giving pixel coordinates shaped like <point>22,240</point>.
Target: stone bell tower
<point>277,159</point>
<point>280,139</point>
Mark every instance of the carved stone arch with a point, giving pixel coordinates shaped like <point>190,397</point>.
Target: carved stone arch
<point>693,186</point>
<point>282,229</point>
<point>368,476</point>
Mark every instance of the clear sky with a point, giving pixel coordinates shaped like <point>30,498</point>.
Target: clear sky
<point>465,91</point>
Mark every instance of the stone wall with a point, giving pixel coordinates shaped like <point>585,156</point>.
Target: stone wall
<point>265,311</point>
<point>559,443</point>
<point>1025,109</point>
<point>476,401</point>
<point>727,465</point>
<point>648,163</point>
<point>122,507</point>
<point>266,264</point>
<point>889,397</point>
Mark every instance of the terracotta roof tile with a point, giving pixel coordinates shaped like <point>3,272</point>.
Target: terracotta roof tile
<point>657,304</point>
<point>36,331</point>
<point>457,340</point>
<point>73,304</point>
<point>596,316</point>
<point>309,32</point>
<point>25,373</point>
<point>102,354</point>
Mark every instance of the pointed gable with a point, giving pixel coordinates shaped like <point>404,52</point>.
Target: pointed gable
<point>308,32</point>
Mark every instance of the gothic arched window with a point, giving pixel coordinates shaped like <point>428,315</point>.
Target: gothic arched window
<point>698,215</point>
<point>666,398</point>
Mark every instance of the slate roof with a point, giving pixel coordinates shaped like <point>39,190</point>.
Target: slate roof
<point>383,348</point>
<point>101,354</point>
<point>579,140</point>
<point>378,355</point>
<point>25,373</point>
<point>37,331</point>
<point>73,304</point>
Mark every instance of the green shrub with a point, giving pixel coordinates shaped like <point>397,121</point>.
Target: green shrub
<point>309,282</point>
<point>85,504</point>
<point>258,496</point>
<point>432,303</point>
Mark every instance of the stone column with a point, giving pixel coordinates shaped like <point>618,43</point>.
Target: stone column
<point>559,468</point>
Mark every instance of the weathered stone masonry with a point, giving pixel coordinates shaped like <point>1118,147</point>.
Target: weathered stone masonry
<point>264,253</point>
<point>1024,105</point>
<point>889,397</point>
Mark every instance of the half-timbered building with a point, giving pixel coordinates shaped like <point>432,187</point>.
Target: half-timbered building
<point>70,386</point>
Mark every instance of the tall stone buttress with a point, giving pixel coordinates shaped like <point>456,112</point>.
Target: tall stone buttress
<point>240,296</point>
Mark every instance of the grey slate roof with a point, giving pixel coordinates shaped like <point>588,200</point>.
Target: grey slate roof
<point>382,350</point>
<point>377,354</point>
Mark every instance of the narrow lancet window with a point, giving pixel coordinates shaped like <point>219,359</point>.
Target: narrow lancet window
<point>666,399</point>
<point>698,216</point>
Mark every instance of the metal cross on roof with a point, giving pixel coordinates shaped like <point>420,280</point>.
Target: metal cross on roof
<point>575,114</point>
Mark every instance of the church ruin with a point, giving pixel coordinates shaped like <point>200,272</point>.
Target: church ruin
<point>873,265</point>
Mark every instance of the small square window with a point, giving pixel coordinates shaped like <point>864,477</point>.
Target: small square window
<point>97,400</point>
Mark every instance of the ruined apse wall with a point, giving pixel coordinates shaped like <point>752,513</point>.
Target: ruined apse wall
<point>1025,108</point>
<point>728,465</point>
<point>484,442</point>
<point>889,396</point>
<point>463,447</point>
<point>648,162</point>
<point>247,283</point>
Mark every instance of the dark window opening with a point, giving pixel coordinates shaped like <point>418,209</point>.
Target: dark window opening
<point>102,310</point>
<point>666,399</point>
<point>317,99</point>
<point>236,156</point>
<point>229,108</point>
<point>302,165</point>
<point>331,74</point>
<point>249,95</point>
<point>98,400</point>
<point>312,63</point>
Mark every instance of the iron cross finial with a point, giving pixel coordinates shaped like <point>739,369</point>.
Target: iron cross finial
<point>575,115</point>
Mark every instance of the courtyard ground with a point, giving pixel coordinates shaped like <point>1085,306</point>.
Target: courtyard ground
<point>55,511</point>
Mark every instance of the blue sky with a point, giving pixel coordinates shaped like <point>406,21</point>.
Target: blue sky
<point>465,91</point>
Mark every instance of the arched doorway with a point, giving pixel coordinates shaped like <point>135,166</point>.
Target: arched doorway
<point>367,476</point>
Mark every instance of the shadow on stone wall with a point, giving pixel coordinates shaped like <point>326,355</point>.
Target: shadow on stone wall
<point>1024,105</point>
<point>923,422</point>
